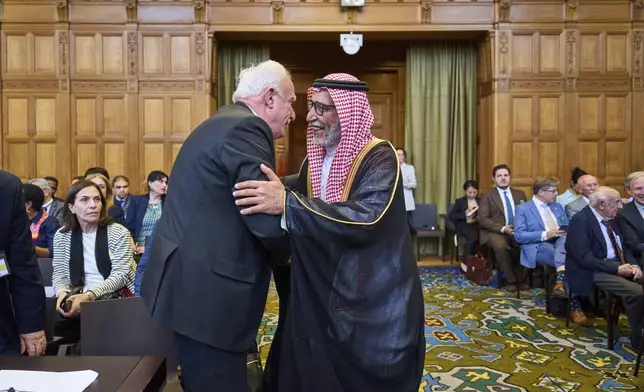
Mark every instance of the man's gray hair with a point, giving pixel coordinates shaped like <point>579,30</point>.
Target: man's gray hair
<point>252,81</point>
<point>632,177</point>
<point>41,183</point>
<point>603,194</point>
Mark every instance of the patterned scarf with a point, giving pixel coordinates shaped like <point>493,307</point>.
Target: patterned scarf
<point>35,227</point>
<point>356,120</point>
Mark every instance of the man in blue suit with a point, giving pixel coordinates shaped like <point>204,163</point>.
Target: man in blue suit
<point>22,296</point>
<point>540,228</point>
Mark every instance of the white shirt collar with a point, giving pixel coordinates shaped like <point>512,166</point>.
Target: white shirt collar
<point>251,109</point>
<point>502,191</point>
<point>586,199</point>
<point>538,202</point>
<point>638,205</point>
<point>46,205</point>
<point>600,218</point>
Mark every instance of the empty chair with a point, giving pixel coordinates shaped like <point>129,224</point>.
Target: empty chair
<point>424,224</point>
<point>123,327</point>
<point>47,270</point>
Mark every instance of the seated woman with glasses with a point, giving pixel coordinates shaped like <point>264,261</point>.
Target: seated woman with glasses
<point>92,256</point>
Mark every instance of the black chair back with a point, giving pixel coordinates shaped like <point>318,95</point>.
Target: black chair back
<point>449,225</point>
<point>51,317</point>
<point>123,327</point>
<point>46,270</point>
<point>424,216</point>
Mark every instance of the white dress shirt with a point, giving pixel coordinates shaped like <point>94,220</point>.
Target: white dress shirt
<point>505,208</point>
<point>324,178</point>
<point>93,276</point>
<point>610,251</point>
<point>47,205</point>
<point>326,168</point>
<point>544,209</point>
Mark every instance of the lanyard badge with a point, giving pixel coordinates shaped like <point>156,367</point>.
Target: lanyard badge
<point>4,266</point>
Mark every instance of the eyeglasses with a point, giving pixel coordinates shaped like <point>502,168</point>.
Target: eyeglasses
<point>319,107</point>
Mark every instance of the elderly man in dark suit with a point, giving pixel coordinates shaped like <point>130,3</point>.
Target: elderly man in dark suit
<point>595,254</point>
<point>496,223</point>
<point>631,217</point>
<point>22,296</point>
<point>209,270</point>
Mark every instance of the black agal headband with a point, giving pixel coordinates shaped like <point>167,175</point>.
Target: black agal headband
<point>341,84</point>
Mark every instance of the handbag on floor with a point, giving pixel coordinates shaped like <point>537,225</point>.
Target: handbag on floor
<point>479,270</point>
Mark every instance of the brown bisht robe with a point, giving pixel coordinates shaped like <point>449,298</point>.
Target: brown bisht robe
<point>355,316</point>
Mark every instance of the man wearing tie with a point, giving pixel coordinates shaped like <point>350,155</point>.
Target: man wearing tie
<point>122,196</point>
<point>496,222</point>
<point>540,229</point>
<point>594,254</point>
<point>631,217</point>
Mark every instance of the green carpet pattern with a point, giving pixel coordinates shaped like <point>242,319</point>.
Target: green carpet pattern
<point>484,339</point>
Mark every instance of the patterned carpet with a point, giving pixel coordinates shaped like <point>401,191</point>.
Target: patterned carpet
<point>483,339</point>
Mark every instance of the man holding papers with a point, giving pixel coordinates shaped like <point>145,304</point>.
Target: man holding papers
<point>22,296</point>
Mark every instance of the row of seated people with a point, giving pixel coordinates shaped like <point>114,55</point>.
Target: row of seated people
<point>590,240</point>
<point>94,241</point>
<point>138,213</point>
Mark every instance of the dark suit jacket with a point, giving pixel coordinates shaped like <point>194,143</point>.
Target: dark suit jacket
<point>56,210</point>
<point>631,226</point>
<point>116,212</point>
<point>492,213</point>
<point>136,212</point>
<point>22,291</point>
<point>586,252</point>
<point>208,271</point>
<point>457,214</point>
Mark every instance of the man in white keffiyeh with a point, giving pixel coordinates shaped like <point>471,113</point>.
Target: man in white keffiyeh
<point>355,310</point>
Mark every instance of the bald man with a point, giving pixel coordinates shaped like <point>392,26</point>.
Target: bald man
<point>586,186</point>
<point>595,255</point>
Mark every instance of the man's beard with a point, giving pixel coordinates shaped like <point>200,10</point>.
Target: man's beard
<point>331,135</point>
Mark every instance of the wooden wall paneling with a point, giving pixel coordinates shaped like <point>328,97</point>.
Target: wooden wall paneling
<point>485,108</point>
<point>63,111</point>
<point>99,104</point>
<point>560,82</point>
<point>324,16</point>
<point>637,142</point>
<point>173,88</point>
<point>214,81</point>
<point>132,169</point>
<point>31,128</point>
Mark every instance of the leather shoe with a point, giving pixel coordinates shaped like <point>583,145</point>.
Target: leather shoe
<point>559,290</point>
<point>578,317</point>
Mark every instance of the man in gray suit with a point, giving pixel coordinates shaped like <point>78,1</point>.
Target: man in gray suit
<point>54,207</point>
<point>586,185</point>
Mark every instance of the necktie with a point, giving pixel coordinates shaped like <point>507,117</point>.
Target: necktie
<point>508,208</point>
<point>613,242</point>
<point>550,221</point>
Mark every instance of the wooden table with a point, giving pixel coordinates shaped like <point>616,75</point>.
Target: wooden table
<point>115,374</point>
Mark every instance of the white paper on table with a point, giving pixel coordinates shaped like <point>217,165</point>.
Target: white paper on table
<point>33,381</point>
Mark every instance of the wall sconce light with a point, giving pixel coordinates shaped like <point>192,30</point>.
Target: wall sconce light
<point>351,43</point>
